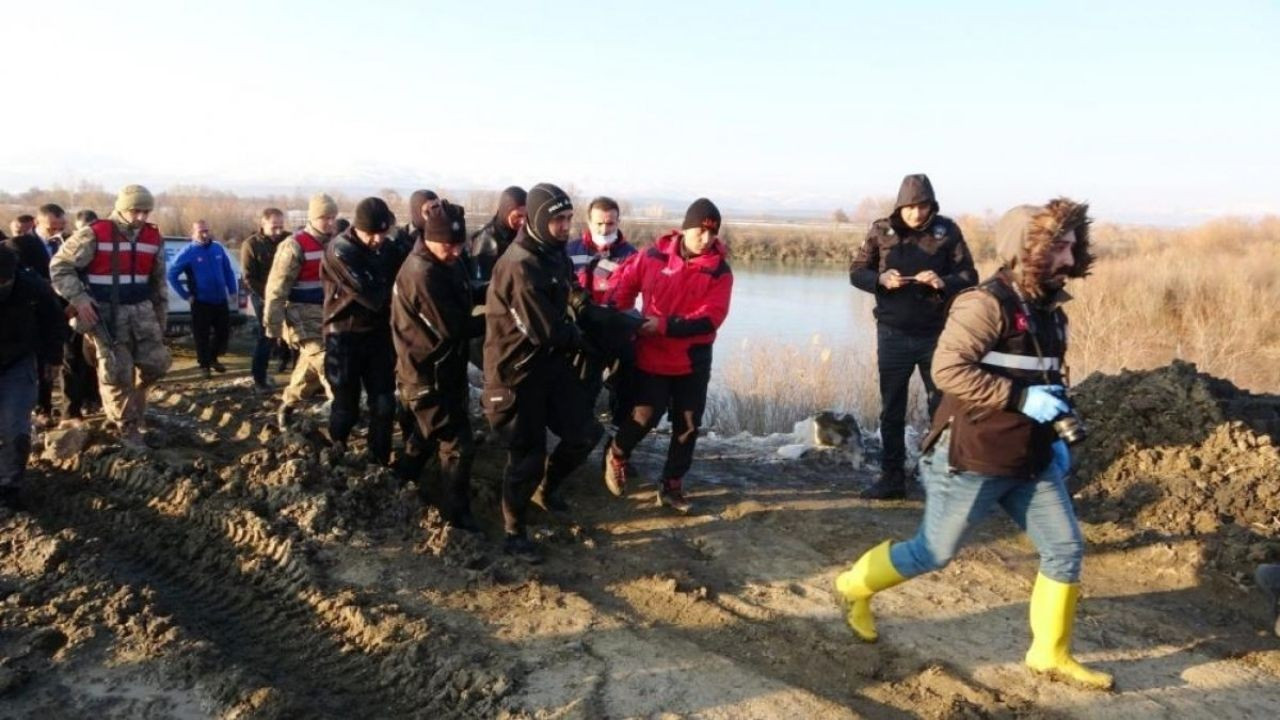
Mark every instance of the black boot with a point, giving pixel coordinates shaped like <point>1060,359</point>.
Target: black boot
<point>892,485</point>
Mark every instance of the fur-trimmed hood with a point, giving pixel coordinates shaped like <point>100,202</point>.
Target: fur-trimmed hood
<point>1024,234</point>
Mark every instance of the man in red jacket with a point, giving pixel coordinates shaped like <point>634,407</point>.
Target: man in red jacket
<point>685,282</point>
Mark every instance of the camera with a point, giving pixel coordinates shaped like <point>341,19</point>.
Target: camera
<point>1069,426</point>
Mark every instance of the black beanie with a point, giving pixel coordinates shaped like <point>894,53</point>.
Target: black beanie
<point>702,214</point>
<point>449,228</point>
<point>373,216</point>
<point>545,202</point>
<point>416,201</point>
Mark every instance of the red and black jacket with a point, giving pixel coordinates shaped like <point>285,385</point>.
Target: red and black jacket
<point>689,298</point>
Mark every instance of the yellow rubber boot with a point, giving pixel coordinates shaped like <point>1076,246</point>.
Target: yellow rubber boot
<point>1053,612</point>
<point>872,573</point>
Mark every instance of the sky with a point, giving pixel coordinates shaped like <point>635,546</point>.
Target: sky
<point>1160,112</point>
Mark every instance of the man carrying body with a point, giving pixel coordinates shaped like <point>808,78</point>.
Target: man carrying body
<point>530,385</point>
<point>432,326</point>
<point>359,271</point>
<point>914,261</point>
<point>295,302</point>
<point>121,304</point>
<point>201,274</point>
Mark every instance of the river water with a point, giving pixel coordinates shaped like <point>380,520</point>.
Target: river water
<point>784,305</point>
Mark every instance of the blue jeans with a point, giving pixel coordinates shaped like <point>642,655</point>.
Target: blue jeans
<point>957,501</point>
<point>18,391</point>
<point>262,350</point>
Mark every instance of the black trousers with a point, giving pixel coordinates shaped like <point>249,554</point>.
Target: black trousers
<point>899,355</point>
<point>553,399</point>
<point>79,376</point>
<point>211,325</point>
<point>355,361</point>
<point>441,420</point>
<point>685,396</point>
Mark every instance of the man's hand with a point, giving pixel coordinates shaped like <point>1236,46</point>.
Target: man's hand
<point>892,279</point>
<point>1043,403</point>
<point>650,326</point>
<point>930,278</point>
<point>87,314</point>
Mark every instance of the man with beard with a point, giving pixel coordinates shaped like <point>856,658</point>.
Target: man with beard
<point>914,262</point>
<point>359,271</point>
<point>295,302</point>
<point>256,255</point>
<point>999,365</point>
<point>530,385</point>
<point>491,241</point>
<point>112,275</point>
<point>31,331</point>
<point>432,325</point>
<point>202,275</point>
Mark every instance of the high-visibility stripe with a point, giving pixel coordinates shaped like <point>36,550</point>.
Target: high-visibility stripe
<point>307,284</point>
<point>142,247</point>
<point>1020,362</point>
<point>125,279</point>
<point>313,255</point>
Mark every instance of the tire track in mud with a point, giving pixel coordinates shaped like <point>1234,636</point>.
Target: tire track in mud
<point>245,590</point>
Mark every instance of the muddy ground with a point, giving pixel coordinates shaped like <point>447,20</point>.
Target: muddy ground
<point>235,572</point>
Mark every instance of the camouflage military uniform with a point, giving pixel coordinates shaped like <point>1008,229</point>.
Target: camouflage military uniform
<point>299,324</point>
<point>133,343</point>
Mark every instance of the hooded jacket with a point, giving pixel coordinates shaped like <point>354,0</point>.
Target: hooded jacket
<point>492,240</point>
<point>938,245</point>
<point>689,297</point>
<point>999,339</point>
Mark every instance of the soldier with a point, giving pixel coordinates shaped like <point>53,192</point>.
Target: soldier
<point>121,304</point>
<point>295,302</point>
<point>432,325</point>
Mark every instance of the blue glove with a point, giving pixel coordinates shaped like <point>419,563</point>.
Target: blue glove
<point>1043,403</point>
<point>1061,461</point>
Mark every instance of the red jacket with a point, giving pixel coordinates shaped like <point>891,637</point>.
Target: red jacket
<point>690,299</point>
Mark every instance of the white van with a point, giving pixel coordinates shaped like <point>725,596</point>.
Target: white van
<point>180,310</point>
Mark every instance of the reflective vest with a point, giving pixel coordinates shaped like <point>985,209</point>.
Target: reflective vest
<point>136,258</point>
<point>307,288</point>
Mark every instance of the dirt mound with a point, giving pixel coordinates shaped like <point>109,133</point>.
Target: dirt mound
<point>1180,453</point>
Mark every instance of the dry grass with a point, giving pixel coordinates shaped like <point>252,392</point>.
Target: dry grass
<point>766,386</point>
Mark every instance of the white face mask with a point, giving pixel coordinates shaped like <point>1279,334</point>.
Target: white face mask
<point>604,240</point>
